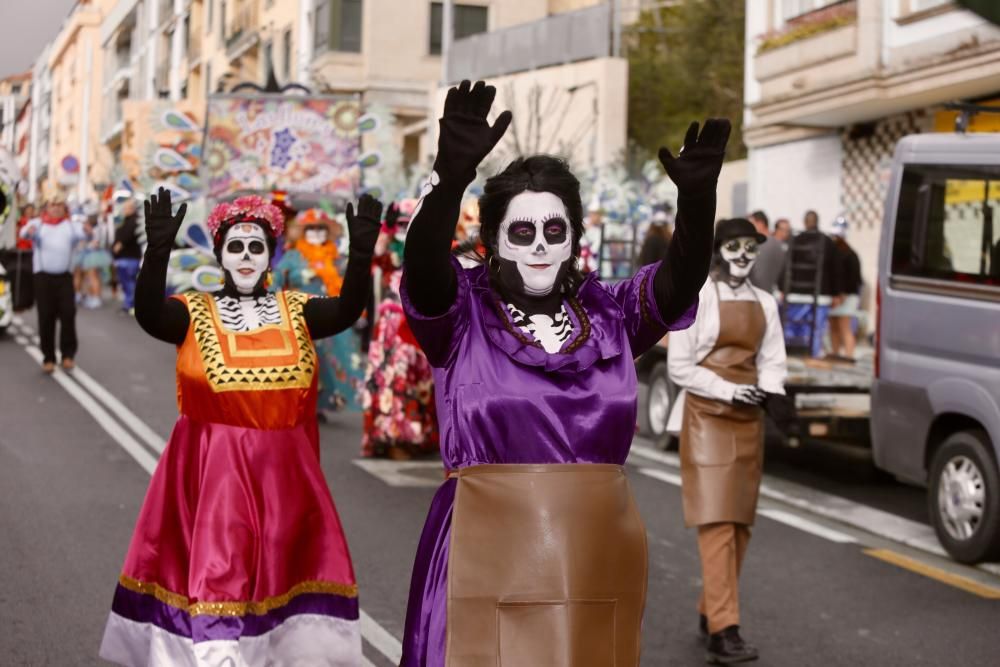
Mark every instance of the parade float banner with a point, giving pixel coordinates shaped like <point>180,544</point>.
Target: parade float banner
<point>279,142</point>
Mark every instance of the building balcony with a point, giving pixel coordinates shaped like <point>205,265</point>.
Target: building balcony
<point>559,39</point>
<point>243,31</point>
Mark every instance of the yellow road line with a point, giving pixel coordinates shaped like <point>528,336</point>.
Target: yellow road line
<point>956,580</point>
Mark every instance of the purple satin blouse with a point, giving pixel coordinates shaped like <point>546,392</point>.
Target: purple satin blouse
<point>501,399</point>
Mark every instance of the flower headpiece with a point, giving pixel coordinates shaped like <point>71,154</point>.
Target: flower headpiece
<point>250,208</point>
<point>313,216</point>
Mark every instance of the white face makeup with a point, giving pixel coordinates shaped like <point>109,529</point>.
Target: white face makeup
<point>245,256</point>
<point>740,254</point>
<point>535,234</point>
<point>316,235</point>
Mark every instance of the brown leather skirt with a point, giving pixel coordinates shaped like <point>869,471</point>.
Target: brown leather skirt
<point>547,567</point>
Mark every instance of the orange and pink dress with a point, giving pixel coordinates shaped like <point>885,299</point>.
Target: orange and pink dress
<point>238,556</point>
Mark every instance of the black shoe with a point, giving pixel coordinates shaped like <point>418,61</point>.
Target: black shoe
<point>703,627</point>
<point>727,647</point>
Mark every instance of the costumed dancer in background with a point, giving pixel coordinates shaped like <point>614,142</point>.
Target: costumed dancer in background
<point>731,363</point>
<point>238,556</point>
<point>533,552</point>
<point>400,418</point>
<point>311,266</point>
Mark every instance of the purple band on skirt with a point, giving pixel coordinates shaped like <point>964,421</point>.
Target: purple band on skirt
<point>143,608</point>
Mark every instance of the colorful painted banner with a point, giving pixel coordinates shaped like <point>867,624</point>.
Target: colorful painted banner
<point>280,142</point>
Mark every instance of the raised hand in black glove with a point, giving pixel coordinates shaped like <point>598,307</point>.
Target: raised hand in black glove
<point>364,227</point>
<point>466,137</point>
<point>161,223</point>
<point>696,168</point>
<point>392,217</point>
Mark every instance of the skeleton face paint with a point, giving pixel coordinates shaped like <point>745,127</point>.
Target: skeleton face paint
<point>316,235</point>
<point>245,255</point>
<point>535,234</point>
<point>739,254</point>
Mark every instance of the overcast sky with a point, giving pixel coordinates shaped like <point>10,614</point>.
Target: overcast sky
<point>27,26</point>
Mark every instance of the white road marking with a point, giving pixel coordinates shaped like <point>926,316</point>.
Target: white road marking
<point>380,638</point>
<point>21,340</point>
<point>137,425</point>
<point>100,415</point>
<point>796,521</point>
<point>394,473</point>
<point>841,510</point>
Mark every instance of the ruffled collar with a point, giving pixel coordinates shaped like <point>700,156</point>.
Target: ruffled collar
<point>597,330</point>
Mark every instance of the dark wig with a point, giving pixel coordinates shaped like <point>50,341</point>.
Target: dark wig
<point>224,228</point>
<point>538,173</point>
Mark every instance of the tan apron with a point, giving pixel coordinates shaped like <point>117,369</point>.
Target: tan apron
<point>722,445</point>
<point>547,567</point>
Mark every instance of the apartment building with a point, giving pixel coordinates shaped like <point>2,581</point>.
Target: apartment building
<point>832,85</point>
<point>390,53</point>
<point>14,96</point>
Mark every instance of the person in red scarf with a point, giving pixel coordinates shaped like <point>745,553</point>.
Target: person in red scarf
<point>53,238</point>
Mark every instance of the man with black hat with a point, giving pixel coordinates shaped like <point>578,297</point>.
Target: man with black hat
<point>731,365</point>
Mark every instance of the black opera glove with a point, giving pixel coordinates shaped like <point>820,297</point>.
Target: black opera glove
<point>748,395</point>
<point>696,168</point>
<point>161,223</point>
<point>781,410</point>
<point>364,226</point>
<point>465,136</point>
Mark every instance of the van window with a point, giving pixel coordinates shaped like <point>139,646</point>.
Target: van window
<point>947,225</point>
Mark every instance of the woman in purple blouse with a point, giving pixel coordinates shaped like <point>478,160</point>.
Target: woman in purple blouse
<point>533,552</point>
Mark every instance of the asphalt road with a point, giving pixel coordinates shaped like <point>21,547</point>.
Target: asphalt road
<point>812,594</point>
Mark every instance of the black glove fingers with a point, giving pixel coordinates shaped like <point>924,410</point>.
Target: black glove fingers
<point>691,137</point>
<point>500,126</point>
<point>464,91</point>
<point>451,102</point>
<point>666,157</point>
<point>349,213</point>
<point>484,100</point>
<point>181,212</point>
<point>145,207</point>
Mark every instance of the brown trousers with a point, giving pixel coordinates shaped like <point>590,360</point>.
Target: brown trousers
<point>722,546</point>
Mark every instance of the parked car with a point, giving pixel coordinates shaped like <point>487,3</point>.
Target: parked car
<point>935,409</point>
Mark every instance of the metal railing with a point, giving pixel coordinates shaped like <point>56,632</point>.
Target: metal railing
<point>556,40</point>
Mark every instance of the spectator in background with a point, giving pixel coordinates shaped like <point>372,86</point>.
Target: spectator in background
<point>770,256</point>
<point>127,253</point>
<point>53,237</point>
<point>783,231</point>
<point>845,304</point>
<point>809,285</point>
<point>94,263</point>
<point>19,265</point>
<point>657,241</point>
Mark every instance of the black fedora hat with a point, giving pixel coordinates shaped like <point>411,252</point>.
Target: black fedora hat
<point>735,228</point>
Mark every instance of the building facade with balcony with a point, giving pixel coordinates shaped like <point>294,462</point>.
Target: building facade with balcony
<point>830,87</point>
<point>356,48</point>
<point>77,161</point>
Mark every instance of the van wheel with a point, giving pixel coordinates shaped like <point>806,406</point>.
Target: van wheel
<point>655,411</point>
<point>964,497</point>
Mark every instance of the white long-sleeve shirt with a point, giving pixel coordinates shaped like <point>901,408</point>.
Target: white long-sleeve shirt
<point>687,348</point>
<point>53,244</point>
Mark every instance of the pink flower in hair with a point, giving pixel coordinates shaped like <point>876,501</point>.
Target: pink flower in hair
<point>251,208</point>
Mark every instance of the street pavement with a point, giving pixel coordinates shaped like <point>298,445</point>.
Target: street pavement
<point>816,590</point>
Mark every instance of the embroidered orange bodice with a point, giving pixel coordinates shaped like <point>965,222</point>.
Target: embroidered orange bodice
<point>264,379</point>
